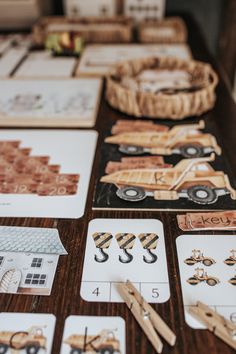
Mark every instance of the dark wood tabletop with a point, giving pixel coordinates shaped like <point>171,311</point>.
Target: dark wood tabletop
<point>65,299</point>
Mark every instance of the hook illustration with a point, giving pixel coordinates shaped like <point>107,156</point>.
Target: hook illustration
<point>125,242</point>
<point>152,255</point>
<point>102,241</point>
<point>149,243</point>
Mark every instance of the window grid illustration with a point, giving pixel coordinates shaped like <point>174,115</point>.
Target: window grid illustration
<point>35,279</point>
<point>36,263</point>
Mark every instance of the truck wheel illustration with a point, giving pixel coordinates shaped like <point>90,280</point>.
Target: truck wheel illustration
<point>190,151</point>
<point>76,351</point>
<point>202,195</point>
<point>108,350</point>
<point>131,150</point>
<point>3,348</point>
<point>32,349</point>
<point>131,194</point>
<point>207,262</point>
<point>193,281</point>
<point>190,261</point>
<point>211,282</point>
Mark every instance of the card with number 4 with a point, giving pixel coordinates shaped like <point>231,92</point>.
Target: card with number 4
<point>121,249</point>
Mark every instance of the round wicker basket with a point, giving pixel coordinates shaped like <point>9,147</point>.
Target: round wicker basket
<point>198,98</point>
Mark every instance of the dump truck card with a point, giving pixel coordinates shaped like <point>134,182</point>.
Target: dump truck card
<point>93,334</point>
<point>144,10</point>
<point>26,333</point>
<point>42,64</point>
<point>147,165</point>
<point>49,103</point>
<point>207,265</point>
<point>45,173</point>
<point>121,249</point>
<point>98,60</point>
<point>222,220</point>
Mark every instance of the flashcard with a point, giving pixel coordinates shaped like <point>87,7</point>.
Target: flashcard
<point>118,250</point>
<point>49,103</point>
<point>41,64</point>
<point>101,8</point>
<point>98,60</point>
<point>163,167</point>
<point>93,334</point>
<point>26,333</point>
<point>45,173</point>
<point>207,265</point>
<point>144,10</point>
<point>10,59</point>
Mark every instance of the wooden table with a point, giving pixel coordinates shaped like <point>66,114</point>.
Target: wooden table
<point>65,299</point>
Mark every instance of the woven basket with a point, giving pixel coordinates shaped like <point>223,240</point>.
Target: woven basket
<point>156,32</point>
<point>194,102</point>
<point>118,29</point>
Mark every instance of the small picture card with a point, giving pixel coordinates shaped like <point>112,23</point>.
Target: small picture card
<point>118,250</point>
<point>100,8</point>
<point>49,103</point>
<point>98,60</point>
<point>45,173</point>
<point>222,220</point>
<point>90,334</point>
<point>144,10</point>
<point>207,265</point>
<point>42,64</point>
<point>26,332</point>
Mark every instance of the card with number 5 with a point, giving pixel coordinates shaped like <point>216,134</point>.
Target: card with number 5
<point>122,249</point>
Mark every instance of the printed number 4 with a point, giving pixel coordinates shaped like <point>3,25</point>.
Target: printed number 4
<point>96,292</point>
<point>155,293</point>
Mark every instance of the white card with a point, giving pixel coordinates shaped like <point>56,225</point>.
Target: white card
<point>90,7</point>
<point>99,59</point>
<point>42,65</point>
<point>145,9</point>
<point>70,156</point>
<point>80,330</point>
<point>216,286</point>
<point>55,103</point>
<point>35,331</point>
<point>119,255</point>
<point>10,60</point>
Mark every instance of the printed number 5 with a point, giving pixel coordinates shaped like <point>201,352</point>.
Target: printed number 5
<point>155,293</point>
<point>96,292</point>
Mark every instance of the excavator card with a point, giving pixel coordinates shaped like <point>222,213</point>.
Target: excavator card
<point>118,250</point>
<point>207,265</point>
<point>26,333</point>
<point>154,166</point>
<point>93,334</point>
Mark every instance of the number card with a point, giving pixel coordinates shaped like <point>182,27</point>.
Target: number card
<point>101,8</point>
<point>207,266</point>
<point>87,334</point>
<point>145,10</point>
<point>45,173</point>
<point>120,249</point>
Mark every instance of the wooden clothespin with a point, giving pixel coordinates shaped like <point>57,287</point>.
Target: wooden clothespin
<point>148,319</point>
<point>220,326</point>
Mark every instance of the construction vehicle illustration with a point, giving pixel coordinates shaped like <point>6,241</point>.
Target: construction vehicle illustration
<point>186,140</point>
<point>65,43</point>
<point>31,341</point>
<point>104,343</point>
<point>102,241</point>
<point>149,243</point>
<point>232,258</point>
<point>193,179</point>
<point>233,280</point>
<point>125,242</point>
<point>202,276</point>
<point>197,257</point>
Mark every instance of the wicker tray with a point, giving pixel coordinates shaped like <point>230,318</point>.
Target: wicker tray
<point>169,30</point>
<point>123,90</point>
<point>93,29</point>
